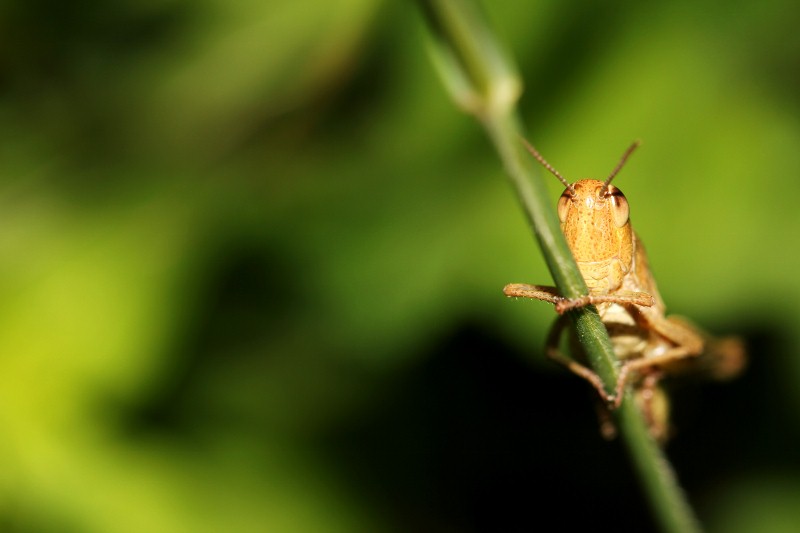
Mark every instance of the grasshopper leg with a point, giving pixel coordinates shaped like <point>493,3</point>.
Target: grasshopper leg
<point>552,351</point>
<point>654,405</point>
<point>537,292</point>
<point>687,343</point>
<point>550,294</point>
<point>619,297</point>
<point>651,401</point>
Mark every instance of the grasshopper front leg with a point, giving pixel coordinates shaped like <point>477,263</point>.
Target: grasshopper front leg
<point>537,292</point>
<point>554,353</point>
<point>648,395</point>
<point>550,294</point>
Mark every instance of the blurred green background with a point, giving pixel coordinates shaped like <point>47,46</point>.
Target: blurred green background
<point>251,260</point>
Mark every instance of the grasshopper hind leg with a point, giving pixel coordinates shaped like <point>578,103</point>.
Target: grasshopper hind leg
<point>652,402</point>
<point>654,405</point>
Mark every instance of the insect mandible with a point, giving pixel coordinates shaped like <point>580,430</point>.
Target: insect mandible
<point>595,220</point>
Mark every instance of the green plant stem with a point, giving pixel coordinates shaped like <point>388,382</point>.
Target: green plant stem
<point>484,83</point>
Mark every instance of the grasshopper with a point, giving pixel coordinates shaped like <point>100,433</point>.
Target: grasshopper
<point>595,219</point>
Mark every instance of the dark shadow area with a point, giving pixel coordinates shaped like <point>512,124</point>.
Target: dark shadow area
<point>747,424</point>
<point>474,439</point>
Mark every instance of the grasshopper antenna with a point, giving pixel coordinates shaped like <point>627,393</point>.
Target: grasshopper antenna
<point>535,153</point>
<point>619,166</point>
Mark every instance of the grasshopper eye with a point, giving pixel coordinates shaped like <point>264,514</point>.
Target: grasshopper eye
<point>619,206</point>
<point>563,205</point>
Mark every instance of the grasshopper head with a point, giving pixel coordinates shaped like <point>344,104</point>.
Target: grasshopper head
<point>595,220</point>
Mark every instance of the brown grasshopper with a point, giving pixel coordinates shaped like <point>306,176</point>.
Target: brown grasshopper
<point>595,220</point>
